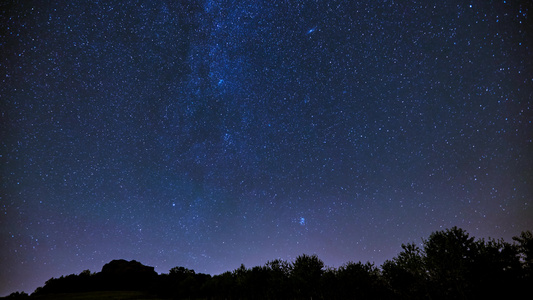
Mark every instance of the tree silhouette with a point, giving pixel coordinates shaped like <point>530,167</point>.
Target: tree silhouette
<point>406,274</point>
<point>359,281</point>
<point>450,265</point>
<point>222,286</point>
<point>449,257</point>
<point>495,269</point>
<point>525,249</point>
<point>180,272</point>
<point>126,275</point>
<point>306,274</point>
<point>460,267</point>
<point>278,279</point>
<point>17,295</point>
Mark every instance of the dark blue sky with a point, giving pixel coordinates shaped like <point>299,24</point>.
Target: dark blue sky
<point>207,134</point>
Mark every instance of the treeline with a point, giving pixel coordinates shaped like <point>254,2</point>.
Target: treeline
<point>449,265</point>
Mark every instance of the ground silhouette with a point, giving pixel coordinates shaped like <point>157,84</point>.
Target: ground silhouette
<point>449,264</point>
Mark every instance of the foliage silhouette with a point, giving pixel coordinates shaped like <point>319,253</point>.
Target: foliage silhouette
<point>525,248</point>
<point>406,274</point>
<point>306,274</point>
<point>17,295</point>
<point>450,264</point>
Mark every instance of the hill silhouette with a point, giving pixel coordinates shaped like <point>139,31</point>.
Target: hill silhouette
<point>450,264</point>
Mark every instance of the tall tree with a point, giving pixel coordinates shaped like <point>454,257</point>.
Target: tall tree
<point>494,270</point>
<point>278,279</point>
<point>525,249</point>
<point>406,273</point>
<point>306,273</point>
<point>449,258</point>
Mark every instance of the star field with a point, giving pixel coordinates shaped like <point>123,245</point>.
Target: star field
<point>207,134</point>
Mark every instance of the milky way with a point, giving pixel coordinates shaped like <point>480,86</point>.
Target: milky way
<point>207,134</point>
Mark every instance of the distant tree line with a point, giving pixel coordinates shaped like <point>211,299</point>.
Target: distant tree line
<point>449,265</point>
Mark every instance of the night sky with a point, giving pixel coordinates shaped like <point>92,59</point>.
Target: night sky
<point>207,134</point>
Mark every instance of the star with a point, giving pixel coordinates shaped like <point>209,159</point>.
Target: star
<point>255,122</point>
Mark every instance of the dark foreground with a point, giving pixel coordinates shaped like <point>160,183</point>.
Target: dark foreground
<point>105,295</point>
<point>449,265</point>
